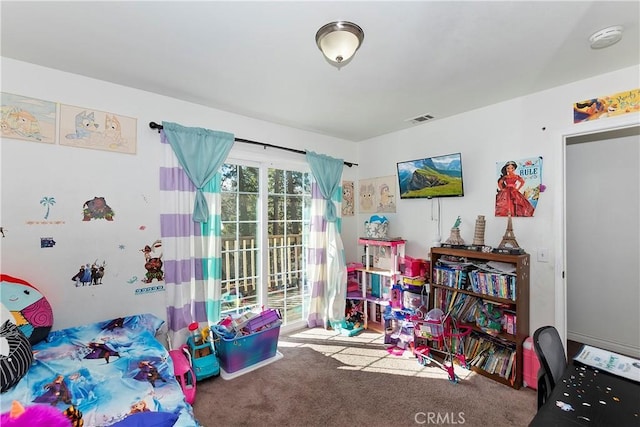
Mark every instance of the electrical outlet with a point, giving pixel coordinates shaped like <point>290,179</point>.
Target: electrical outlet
<point>543,255</point>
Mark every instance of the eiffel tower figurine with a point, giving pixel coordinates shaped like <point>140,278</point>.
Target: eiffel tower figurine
<point>509,239</point>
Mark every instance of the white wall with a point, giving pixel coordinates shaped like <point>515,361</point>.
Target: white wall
<point>129,183</point>
<point>523,127</point>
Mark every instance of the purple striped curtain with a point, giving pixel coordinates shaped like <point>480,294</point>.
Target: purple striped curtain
<point>191,250</point>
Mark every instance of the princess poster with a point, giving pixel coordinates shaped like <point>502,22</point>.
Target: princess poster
<point>518,186</point>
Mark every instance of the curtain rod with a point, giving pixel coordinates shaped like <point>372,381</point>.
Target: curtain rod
<point>154,125</point>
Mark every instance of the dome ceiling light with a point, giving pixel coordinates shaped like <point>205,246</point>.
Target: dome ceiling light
<point>339,41</point>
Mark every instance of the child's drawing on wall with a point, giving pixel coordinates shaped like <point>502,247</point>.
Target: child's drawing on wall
<point>386,194</point>
<point>347,198</point>
<point>28,119</point>
<point>367,195</point>
<point>82,127</point>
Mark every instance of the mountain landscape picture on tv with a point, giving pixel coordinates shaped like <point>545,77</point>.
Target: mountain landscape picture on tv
<point>439,176</point>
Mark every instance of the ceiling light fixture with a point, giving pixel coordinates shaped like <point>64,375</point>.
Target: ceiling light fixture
<point>339,41</point>
<point>606,37</point>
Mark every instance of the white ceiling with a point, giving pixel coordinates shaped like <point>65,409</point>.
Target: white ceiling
<point>259,59</point>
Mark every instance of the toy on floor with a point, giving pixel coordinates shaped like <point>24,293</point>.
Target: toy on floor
<point>447,338</point>
<point>184,373</point>
<point>203,356</point>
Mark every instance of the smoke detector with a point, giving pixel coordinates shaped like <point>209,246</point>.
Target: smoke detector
<point>606,37</point>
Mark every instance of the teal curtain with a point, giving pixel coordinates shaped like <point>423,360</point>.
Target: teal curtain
<point>200,152</point>
<point>326,262</point>
<point>327,171</point>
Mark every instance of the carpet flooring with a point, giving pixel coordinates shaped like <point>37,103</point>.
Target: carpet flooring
<point>325,379</point>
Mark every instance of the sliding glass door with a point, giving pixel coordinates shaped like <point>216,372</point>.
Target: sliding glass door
<point>264,219</point>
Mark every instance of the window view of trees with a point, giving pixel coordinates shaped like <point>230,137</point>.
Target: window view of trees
<point>288,199</point>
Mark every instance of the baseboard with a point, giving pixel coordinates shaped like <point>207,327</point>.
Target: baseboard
<point>608,345</point>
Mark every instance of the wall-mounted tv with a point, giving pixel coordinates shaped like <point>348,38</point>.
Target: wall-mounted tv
<point>438,176</point>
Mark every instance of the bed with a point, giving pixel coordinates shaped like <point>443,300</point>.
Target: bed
<point>114,372</point>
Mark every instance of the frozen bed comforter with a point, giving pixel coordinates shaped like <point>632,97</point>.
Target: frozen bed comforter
<point>113,372</point>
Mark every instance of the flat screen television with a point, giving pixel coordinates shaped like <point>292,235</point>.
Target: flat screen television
<point>438,176</point>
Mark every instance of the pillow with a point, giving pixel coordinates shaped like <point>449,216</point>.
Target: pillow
<point>148,419</point>
<point>15,355</point>
<point>30,309</point>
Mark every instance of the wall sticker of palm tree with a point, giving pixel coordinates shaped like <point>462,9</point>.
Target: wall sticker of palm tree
<point>47,202</point>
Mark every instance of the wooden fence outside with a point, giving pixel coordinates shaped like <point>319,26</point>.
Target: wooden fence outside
<point>285,263</point>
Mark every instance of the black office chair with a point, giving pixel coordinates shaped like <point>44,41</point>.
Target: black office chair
<point>553,361</point>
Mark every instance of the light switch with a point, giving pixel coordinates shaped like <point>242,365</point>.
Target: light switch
<point>543,255</point>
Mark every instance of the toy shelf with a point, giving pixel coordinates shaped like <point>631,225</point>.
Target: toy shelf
<point>376,280</point>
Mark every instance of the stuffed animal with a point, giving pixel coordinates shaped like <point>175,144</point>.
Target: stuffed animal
<point>35,415</point>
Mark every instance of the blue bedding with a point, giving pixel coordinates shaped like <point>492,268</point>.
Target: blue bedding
<point>108,370</point>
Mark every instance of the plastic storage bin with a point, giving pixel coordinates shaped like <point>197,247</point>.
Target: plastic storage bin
<point>241,352</point>
<point>530,365</point>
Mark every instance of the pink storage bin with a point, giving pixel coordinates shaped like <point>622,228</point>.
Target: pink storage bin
<point>530,364</point>
<point>414,267</point>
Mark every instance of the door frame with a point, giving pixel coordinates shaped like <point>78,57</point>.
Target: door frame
<point>560,206</point>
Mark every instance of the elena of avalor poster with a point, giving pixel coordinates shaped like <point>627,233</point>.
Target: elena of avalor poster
<point>519,183</point>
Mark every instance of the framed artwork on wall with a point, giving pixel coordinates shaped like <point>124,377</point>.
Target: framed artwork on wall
<point>28,119</point>
<point>87,128</point>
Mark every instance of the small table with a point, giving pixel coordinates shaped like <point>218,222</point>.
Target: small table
<point>590,397</point>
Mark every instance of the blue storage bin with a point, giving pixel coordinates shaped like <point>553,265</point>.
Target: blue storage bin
<point>242,352</point>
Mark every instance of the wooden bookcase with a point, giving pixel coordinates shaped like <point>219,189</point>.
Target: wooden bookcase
<point>518,303</point>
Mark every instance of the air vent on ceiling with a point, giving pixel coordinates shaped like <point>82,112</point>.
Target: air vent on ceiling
<point>421,119</point>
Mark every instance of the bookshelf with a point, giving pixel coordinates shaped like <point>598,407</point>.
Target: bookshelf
<point>465,281</point>
<point>380,271</point>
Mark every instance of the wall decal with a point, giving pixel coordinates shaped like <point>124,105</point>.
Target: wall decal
<point>47,242</point>
<point>153,262</point>
<point>149,289</point>
<point>85,128</point>
<point>519,186</point>
<point>90,274</point>
<point>348,197</point>
<point>607,106</point>
<point>47,202</point>
<point>28,119</point>
<point>97,208</point>
<point>33,222</point>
